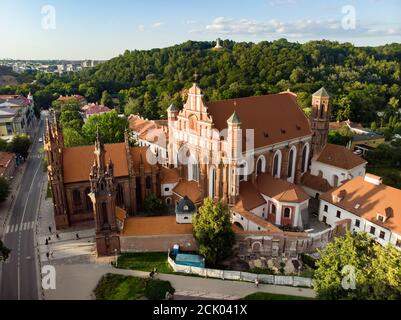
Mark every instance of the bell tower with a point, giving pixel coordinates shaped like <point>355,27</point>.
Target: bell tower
<point>103,196</point>
<point>320,119</point>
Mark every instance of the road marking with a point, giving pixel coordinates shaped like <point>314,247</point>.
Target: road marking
<point>8,228</point>
<point>19,241</point>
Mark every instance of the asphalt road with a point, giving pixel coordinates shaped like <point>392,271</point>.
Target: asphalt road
<point>19,275</point>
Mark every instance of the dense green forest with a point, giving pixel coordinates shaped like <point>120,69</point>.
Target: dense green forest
<point>362,80</point>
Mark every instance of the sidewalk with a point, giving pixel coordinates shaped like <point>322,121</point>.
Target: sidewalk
<point>6,206</point>
<point>77,282</point>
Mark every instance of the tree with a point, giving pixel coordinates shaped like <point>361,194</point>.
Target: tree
<point>111,126</point>
<point>106,99</point>
<point>4,189</point>
<point>4,252</point>
<point>3,145</point>
<point>153,205</point>
<point>212,231</point>
<point>356,267</point>
<point>71,119</point>
<point>72,138</point>
<point>20,145</point>
<point>133,106</point>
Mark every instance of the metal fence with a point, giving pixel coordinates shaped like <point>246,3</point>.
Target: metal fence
<point>243,276</point>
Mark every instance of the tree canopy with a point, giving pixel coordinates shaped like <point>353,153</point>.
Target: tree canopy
<point>20,145</point>
<point>356,267</point>
<point>212,231</point>
<point>4,189</point>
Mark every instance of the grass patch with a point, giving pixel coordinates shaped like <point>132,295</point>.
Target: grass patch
<point>145,261</point>
<point>391,175</point>
<point>119,287</point>
<point>272,296</point>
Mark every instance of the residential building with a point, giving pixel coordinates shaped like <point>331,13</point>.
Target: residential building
<point>93,109</point>
<point>7,165</point>
<point>370,205</point>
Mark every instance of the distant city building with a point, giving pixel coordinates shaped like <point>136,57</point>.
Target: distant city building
<point>17,115</point>
<point>94,109</point>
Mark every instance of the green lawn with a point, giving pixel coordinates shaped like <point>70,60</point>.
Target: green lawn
<point>145,261</point>
<point>391,176</point>
<point>119,287</point>
<point>272,296</point>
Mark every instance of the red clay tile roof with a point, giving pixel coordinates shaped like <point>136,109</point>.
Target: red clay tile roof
<point>340,157</point>
<point>139,155</point>
<point>280,190</point>
<point>275,118</point>
<point>5,159</point>
<point>154,226</point>
<point>189,189</point>
<point>372,200</point>
<point>143,127</point>
<point>239,208</point>
<point>169,175</point>
<point>78,161</point>
<point>250,196</point>
<point>96,109</point>
<point>315,182</point>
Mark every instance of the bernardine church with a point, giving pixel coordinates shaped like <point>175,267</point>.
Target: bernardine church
<point>252,153</point>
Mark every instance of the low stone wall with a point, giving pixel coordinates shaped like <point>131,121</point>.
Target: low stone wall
<point>160,243</point>
<point>288,244</point>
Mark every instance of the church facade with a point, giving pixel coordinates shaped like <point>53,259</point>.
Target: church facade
<point>249,152</point>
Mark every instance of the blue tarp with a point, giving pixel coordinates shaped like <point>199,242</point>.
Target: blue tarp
<point>192,260</point>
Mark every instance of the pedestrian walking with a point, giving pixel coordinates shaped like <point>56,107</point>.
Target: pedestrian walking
<point>47,242</point>
<point>256,283</point>
<point>50,229</point>
<point>47,255</point>
<point>77,235</point>
<point>51,254</point>
<point>57,236</point>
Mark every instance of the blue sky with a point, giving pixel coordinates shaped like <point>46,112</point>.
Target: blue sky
<point>101,29</point>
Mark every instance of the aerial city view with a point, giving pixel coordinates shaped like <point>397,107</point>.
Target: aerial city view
<point>223,152</point>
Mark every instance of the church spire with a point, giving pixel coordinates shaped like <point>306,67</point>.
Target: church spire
<point>100,151</point>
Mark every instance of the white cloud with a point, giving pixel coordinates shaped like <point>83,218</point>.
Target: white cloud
<point>141,28</point>
<point>157,24</point>
<point>293,29</point>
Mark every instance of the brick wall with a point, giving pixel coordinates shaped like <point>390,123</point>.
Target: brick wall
<point>157,243</point>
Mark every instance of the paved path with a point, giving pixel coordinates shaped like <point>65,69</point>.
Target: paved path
<point>19,273</point>
<point>78,281</point>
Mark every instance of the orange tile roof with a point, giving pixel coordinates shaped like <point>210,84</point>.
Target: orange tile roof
<point>121,214</point>
<point>139,155</point>
<point>169,175</point>
<point>239,208</point>
<point>5,159</point>
<point>78,161</point>
<point>280,189</point>
<point>250,196</point>
<point>275,118</point>
<point>315,182</point>
<point>340,157</point>
<point>153,226</point>
<point>189,189</point>
<point>142,127</point>
<point>372,200</point>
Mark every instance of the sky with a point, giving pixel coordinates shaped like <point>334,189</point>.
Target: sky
<point>102,29</point>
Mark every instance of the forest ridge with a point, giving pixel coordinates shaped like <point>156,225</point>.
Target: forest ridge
<point>362,80</point>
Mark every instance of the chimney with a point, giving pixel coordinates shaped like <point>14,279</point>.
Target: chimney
<point>376,180</point>
<point>339,196</point>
